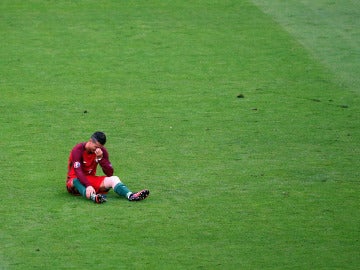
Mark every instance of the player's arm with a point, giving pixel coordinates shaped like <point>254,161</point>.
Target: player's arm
<point>104,162</point>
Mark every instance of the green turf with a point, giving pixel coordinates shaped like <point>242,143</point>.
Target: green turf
<point>328,29</point>
<point>269,180</point>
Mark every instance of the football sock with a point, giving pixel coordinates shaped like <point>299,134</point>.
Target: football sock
<point>80,187</point>
<point>122,190</point>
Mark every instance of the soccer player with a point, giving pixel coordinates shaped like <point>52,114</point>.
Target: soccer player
<point>82,179</point>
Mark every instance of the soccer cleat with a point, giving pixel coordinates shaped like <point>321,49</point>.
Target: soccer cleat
<point>98,198</point>
<point>141,195</point>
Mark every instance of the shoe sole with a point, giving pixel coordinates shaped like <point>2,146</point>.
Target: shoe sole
<point>143,195</point>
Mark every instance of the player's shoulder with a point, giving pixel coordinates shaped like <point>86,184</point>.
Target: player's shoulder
<point>80,147</point>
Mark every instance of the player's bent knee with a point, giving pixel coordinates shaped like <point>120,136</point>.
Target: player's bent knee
<point>111,182</point>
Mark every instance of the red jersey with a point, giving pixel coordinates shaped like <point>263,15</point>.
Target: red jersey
<point>81,163</point>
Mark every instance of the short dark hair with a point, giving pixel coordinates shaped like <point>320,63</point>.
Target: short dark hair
<point>99,137</point>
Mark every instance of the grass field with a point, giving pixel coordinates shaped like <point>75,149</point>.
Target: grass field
<point>241,117</point>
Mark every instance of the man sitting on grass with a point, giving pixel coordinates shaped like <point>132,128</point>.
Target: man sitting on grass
<point>82,179</point>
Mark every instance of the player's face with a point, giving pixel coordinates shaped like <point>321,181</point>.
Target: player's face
<point>93,145</point>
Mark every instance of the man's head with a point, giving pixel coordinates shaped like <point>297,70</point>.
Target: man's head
<point>97,140</point>
<point>99,137</point>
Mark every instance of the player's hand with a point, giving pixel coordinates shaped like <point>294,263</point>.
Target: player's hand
<point>98,153</point>
<point>89,190</point>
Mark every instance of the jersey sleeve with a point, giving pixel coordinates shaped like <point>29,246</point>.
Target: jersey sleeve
<point>105,164</point>
<point>77,163</point>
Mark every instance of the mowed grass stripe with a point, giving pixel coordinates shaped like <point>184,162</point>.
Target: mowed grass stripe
<point>328,29</point>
